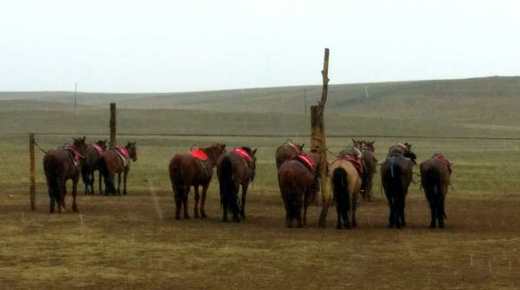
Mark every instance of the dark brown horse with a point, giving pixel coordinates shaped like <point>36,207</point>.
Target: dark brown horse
<point>234,169</point>
<point>91,163</point>
<point>117,161</point>
<point>370,166</point>
<point>396,176</point>
<point>298,181</point>
<point>61,165</point>
<point>435,178</point>
<point>193,169</point>
<point>287,151</point>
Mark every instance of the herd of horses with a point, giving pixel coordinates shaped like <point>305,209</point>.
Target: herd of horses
<point>351,177</point>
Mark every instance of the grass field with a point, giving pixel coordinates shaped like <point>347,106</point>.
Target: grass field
<point>133,242</point>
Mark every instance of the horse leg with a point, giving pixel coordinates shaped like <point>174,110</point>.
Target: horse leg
<point>52,200</point>
<point>119,183</point>
<point>235,205</point>
<point>185,201</point>
<point>402,207</point>
<point>177,194</point>
<point>125,177</point>
<point>391,219</point>
<point>74,192</point>
<point>353,213</point>
<point>243,207</point>
<point>433,205</point>
<point>305,206</point>
<point>100,180</point>
<point>62,192</point>
<point>224,212</point>
<point>339,213</point>
<point>203,201</point>
<point>196,204</point>
<point>440,211</point>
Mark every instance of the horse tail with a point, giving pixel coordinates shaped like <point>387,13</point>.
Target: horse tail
<point>176,178</point>
<point>340,189</point>
<point>51,168</point>
<point>228,192</point>
<point>392,167</point>
<point>109,182</point>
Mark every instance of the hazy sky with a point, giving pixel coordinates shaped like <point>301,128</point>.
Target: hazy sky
<point>128,46</point>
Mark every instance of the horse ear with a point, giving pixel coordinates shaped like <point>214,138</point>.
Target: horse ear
<point>254,151</point>
<point>353,141</point>
<point>301,146</point>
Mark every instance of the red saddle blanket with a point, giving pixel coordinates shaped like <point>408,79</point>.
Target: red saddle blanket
<point>199,154</point>
<point>75,152</point>
<point>123,151</point>
<point>98,148</point>
<point>357,162</point>
<point>307,160</point>
<point>243,153</point>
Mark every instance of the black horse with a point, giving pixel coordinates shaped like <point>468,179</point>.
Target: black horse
<point>396,176</point>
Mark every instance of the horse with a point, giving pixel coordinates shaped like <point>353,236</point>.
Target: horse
<point>369,166</point>
<point>193,169</point>
<point>234,169</point>
<point>396,176</point>
<point>91,163</point>
<point>117,161</point>
<point>61,165</point>
<point>346,178</point>
<point>287,151</point>
<point>298,182</point>
<point>435,178</point>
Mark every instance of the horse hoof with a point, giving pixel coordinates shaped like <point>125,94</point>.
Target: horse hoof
<point>203,216</point>
<point>338,227</point>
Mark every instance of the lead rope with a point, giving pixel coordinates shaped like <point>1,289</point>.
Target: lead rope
<point>39,147</point>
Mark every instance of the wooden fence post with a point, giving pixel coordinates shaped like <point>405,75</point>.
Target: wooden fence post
<point>32,173</point>
<point>113,124</point>
<point>319,141</point>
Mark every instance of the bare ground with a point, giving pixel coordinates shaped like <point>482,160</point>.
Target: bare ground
<point>133,242</point>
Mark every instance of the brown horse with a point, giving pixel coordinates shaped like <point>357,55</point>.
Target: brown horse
<point>193,169</point>
<point>396,176</point>
<point>61,165</point>
<point>435,178</point>
<point>234,169</point>
<point>298,181</point>
<point>346,172</point>
<point>91,163</point>
<point>287,151</point>
<point>370,166</point>
<point>117,161</point>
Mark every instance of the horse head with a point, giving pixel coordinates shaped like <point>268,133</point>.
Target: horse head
<point>102,144</point>
<point>215,151</point>
<point>132,150</point>
<point>80,145</point>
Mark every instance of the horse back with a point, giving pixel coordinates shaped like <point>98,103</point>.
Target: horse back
<point>189,169</point>
<point>293,174</point>
<point>434,173</point>
<point>58,162</point>
<point>283,153</point>
<point>353,178</point>
<point>113,162</point>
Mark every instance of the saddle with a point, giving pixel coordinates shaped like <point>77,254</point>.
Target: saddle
<point>199,154</point>
<point>75,155</point>
<point>202,159</point>
<point>307,161</point>
<point>356,161</point>
<point>243,153</point>
<point>98,148</point>
<point>122,152</point>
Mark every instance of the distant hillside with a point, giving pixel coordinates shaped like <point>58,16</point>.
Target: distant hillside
<point>480,106</point>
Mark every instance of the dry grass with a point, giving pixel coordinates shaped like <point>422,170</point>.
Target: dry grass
<point>130,243</point>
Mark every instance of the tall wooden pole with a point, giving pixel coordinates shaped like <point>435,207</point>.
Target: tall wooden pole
<point>113,124</point>
<point>319,140</point>
<point>32,173</point>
